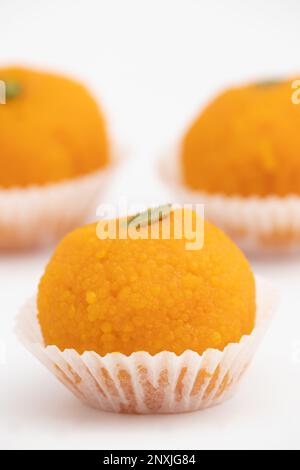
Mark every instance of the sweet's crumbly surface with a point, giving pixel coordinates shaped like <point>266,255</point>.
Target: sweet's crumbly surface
<point>50,130</point>
<point>151,295</point>
<point>246,142</point>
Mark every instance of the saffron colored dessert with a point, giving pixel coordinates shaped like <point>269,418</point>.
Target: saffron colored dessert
<point>241,158</point>
<point>54,148</point>
<point>246,143</point>
<point>51,129</point>
<point>146,295</point>
<point>145,325</point>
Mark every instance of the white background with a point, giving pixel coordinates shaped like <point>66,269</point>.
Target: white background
<point>153,64</point>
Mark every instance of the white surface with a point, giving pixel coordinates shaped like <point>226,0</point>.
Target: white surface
<point>153,63</point>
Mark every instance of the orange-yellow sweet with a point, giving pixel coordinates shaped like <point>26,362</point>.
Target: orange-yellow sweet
<point>152,295</point>
<point>51,129</point>
<point>246,142</point>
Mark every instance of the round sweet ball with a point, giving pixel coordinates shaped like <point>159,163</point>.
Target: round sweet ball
<point>127,295</point>
<point>51,129</point>
<point>246,142</point>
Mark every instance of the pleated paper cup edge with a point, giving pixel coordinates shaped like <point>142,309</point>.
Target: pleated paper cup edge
<point>37,216</point>
<point>82,373</point>
<point>254,222</point>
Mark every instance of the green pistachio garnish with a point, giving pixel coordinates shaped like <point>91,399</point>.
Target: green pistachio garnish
<point>12,89</point>
<point>269,83</point>
<point>150,216</point>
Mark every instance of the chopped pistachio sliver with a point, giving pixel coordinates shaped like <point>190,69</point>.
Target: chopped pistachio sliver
<point>13,89</point>
<point>269,83</point>
<point>150,216</point>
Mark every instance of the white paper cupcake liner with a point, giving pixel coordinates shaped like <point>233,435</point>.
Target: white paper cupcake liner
<point>38,215</point>
<point>257,224</point>
<point>141,383</point>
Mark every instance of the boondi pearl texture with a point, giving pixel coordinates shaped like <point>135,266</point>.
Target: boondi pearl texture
<point>246,142</point>
<point>51,129</point>
<point>146,295</point>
